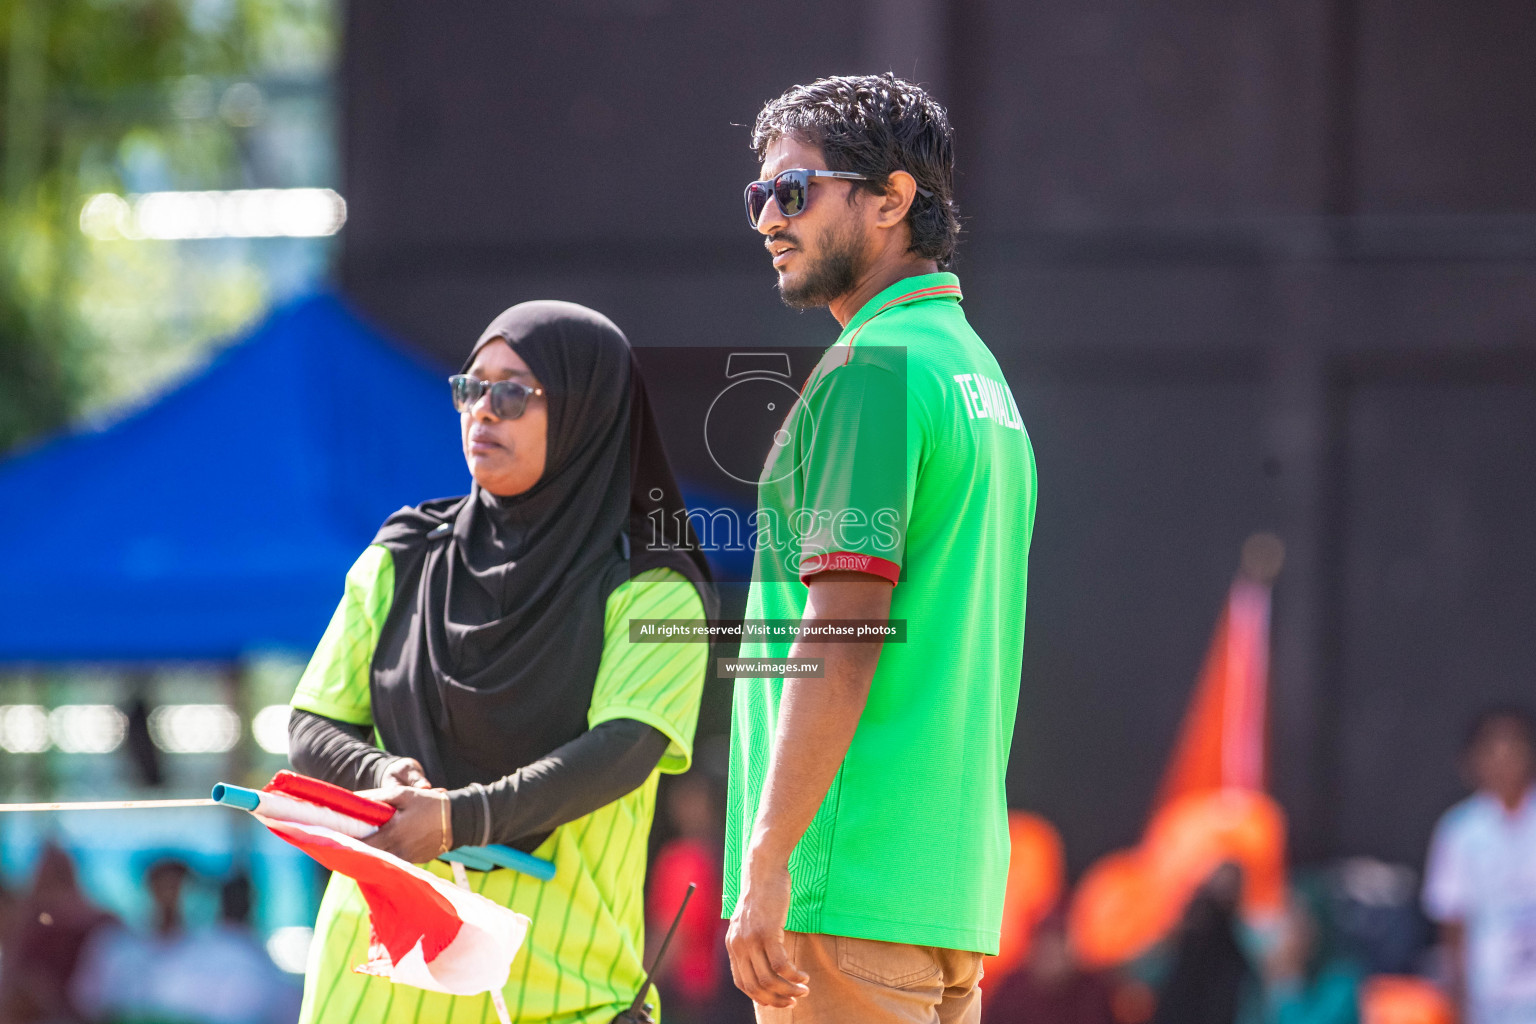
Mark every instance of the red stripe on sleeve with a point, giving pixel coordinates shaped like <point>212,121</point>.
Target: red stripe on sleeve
<point>849,561</point>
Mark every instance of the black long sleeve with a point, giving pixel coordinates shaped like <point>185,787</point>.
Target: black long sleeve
<point>337,752</point>
<point>594,769</point>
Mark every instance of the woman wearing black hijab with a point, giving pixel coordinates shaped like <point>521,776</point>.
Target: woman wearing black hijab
<point>479,675</point>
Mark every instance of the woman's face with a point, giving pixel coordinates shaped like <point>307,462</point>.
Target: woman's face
<point>505,457</point>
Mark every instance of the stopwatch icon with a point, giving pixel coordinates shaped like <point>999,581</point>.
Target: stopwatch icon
<point>751,426</point>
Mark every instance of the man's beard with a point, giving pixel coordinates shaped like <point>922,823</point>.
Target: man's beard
<point>833,273</point>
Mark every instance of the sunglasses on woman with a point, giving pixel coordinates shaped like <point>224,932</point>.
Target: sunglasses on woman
<point>509,399</point>
<point>792,189</point>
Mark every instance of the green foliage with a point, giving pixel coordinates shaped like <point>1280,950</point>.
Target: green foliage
<point>92,91</point>
<point>32,395</point>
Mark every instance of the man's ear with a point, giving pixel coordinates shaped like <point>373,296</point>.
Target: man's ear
<point>900,190</point>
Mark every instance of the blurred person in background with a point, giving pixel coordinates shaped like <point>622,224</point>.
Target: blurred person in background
<point>693,982</point>
<point>1376,910</point>
<point>7,922</point>
<point>1210,979</point>
<point>176,975</point>
<point>1050,987</point>
<point>166,880</point>
<point>46,933</point>
<point>1307,978</point>
<point>239,982</point>
<point>1480,880</point>
<point>126,974</point>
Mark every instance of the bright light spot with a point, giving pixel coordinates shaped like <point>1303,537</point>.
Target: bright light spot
<point>105,216</point>
<point>87,728</point>
<point>24,729</point>
<point>194,728</point>
<point>289,947</point>
<point>245,213</point>
<point>243,105</point>
<point>270,727</point>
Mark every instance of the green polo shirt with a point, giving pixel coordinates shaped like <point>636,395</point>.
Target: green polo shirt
<point>905,458</point>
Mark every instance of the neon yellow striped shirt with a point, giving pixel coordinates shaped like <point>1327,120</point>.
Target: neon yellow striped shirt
<point>581,961</point>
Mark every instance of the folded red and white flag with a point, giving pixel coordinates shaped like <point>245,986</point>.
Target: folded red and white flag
<point>427,932</point>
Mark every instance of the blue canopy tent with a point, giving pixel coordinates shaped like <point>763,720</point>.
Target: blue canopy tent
<point>221,519</point>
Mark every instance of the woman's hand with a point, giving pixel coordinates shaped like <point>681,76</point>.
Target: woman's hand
<point>405,771</point>
<point>421,828</point>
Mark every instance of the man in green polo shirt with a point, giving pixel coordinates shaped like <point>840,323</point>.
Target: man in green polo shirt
<point>867,841</point>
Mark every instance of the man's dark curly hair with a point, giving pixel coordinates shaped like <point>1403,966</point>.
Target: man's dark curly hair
<point>873,125</point>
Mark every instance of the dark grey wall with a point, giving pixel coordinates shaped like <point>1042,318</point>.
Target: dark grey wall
<point>1247,265</point>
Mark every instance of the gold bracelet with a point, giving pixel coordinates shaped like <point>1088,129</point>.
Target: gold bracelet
<point>446,841</point>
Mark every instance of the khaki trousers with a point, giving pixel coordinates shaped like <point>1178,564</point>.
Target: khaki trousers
<point>854,981</point>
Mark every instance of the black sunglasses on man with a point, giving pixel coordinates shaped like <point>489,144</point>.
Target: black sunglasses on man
<point>792,189</point>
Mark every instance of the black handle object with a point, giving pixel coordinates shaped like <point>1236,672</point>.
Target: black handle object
<point>639,1011</point>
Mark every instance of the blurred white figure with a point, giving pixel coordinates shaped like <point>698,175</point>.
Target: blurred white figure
<point>1480,883</point>
<point>219,976</point>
